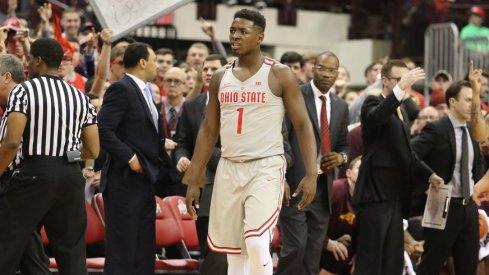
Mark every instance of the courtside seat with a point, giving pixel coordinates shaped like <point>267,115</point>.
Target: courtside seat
<point>98,205</point>
<point>179,211</point>
<point>168,233</point>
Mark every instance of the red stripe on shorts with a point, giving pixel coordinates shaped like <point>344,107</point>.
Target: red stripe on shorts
<point>220,249</point>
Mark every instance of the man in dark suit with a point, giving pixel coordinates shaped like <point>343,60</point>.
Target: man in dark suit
<point>383,188</point>
<point>186,134</point>
<point>131,133</point>
<point>303,231</point>
<point>444,145</point>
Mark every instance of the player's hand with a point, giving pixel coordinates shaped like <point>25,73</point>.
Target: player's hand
<point>192,197</point>
<point>183,164</point>
<point>338,250</point>
<point>286,194</point>
<point>136,166</point>
<point>475,78</point>
<point>308,188</point>
<point>436,181</point>
<point>352,263</point>
<point>409,78</point>
<point>331,160</point>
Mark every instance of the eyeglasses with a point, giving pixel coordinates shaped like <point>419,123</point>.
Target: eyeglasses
<point>173,81</point>
<point>395,78</point>
<point>323,69</point>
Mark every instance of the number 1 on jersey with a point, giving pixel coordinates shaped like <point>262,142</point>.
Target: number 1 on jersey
<point>240,120</point>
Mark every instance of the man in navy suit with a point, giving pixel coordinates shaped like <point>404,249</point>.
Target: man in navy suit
<point>131,133</point>
<point>303,231</point>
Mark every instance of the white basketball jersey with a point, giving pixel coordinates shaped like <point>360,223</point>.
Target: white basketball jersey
<point>251,116</point>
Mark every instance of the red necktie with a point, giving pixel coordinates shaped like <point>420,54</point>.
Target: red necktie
<point>325,138</point>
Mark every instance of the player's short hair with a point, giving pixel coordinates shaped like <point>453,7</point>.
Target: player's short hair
<point>257,18</point>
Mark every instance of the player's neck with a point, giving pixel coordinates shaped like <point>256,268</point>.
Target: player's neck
<point>251,60</point>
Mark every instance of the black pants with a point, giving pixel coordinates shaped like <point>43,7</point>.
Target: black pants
<point>460,238</point>
<point>47,191</point>
<point>380,239</point>
<point>303,233</point>
<point>130,214</point>
<point>212,263</point>
<point>34,261</point>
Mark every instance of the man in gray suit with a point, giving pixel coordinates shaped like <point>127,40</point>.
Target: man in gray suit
<point>304,230</point>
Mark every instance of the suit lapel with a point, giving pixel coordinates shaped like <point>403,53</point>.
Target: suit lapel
<point>451,137</point>
<point>142,99</point>
<point>311,108</point>
<point>200,109</point>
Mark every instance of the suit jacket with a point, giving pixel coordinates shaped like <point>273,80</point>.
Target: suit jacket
<point>388,161</point>
<point>126,128</point>
<point>436,145</point>
<point>338,126</point>
<point>186,135</point>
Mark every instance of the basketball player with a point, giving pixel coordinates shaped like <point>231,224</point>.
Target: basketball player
<point>246,102</point>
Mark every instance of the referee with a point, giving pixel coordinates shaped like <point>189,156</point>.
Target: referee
<point>34,261</point>
<point>52,120</point>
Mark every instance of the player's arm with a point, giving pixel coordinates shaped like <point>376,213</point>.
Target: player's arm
<point>204,146</point>
<point>16,123</point>
<point>296,108</point>
<point>480,129</point>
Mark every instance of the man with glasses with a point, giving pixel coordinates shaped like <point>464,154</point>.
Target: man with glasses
<point>427,115</point>
<point>383,191</point>
<point>303,231</point>
<point>168,183</point>
<point>116,68</point>
<point>174,85</point>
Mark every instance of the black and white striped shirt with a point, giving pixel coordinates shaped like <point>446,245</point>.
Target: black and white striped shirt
<point>56,113</point>
<point>17,162</point>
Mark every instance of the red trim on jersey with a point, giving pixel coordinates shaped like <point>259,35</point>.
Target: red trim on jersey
<point>227,250</point>
<point>229,65</point>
